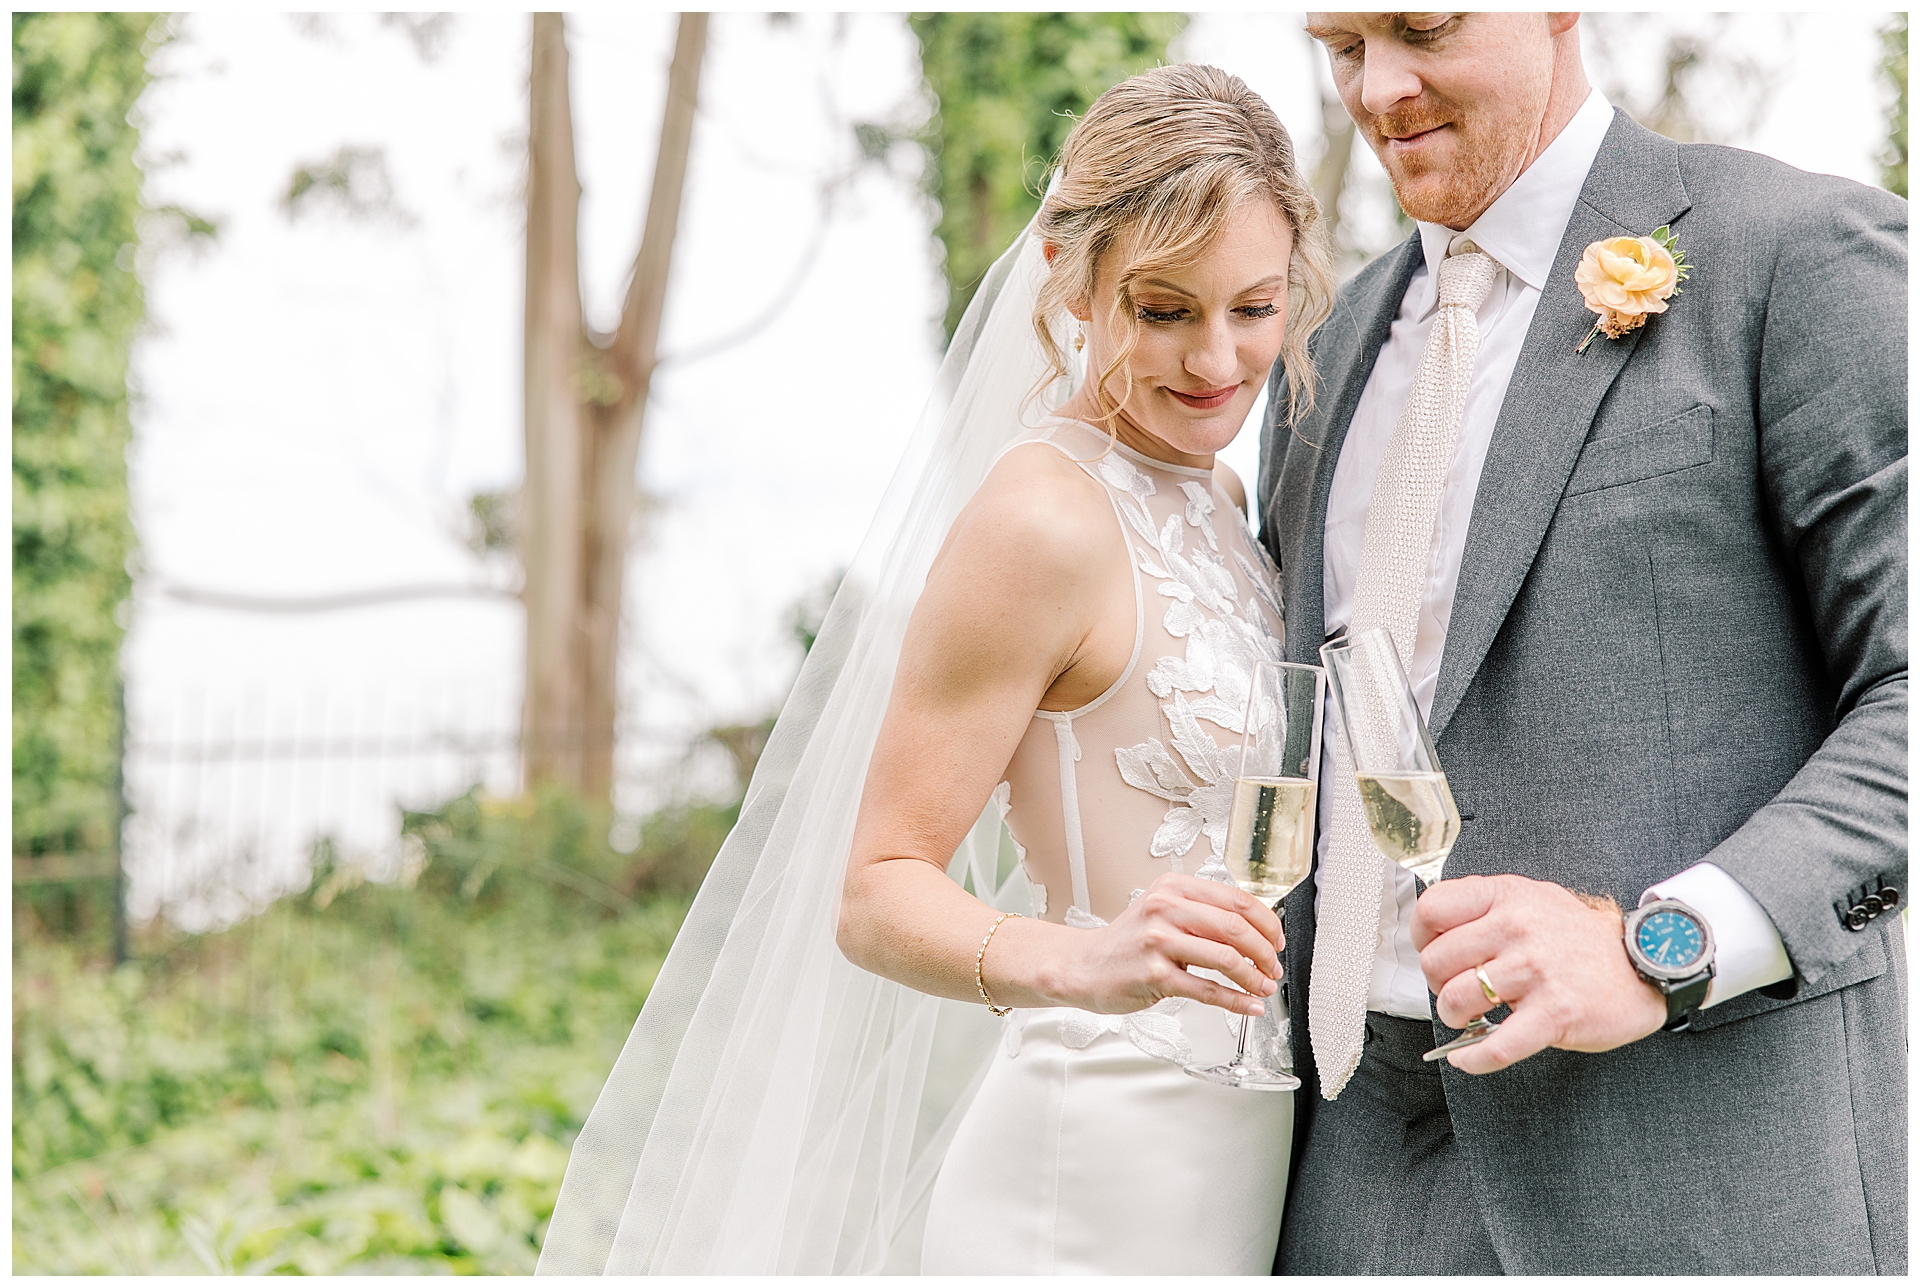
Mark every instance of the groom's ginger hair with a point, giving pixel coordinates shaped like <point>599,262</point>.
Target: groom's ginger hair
<point>1155,168</point>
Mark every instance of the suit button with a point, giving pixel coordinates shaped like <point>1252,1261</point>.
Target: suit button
<point>1889,897</point>
<point>1873,905</point>
<point>1857,918</point>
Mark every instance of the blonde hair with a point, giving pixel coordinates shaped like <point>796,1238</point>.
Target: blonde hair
<point>1160,162</point>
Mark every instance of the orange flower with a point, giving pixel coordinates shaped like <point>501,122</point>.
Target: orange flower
<point>1623,279</point>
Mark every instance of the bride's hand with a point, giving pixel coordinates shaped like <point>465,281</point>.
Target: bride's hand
<point>1180,921</point>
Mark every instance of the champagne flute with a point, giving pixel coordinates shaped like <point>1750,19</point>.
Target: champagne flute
<point>1403,791</point>
<point>1270,836</point>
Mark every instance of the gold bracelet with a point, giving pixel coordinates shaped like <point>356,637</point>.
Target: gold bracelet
<point>980,960</point>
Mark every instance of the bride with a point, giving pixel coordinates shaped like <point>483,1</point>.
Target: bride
<point>1004,762</point>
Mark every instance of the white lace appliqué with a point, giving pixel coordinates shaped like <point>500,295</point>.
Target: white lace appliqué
<point>1036,890</point>
<point>1265,579</point>
<point>1210,682</point>
<point>1198,808</point>
<point>1155,1030</point>
<point>1200,511</point>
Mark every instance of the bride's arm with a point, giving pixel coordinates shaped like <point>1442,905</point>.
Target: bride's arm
<point>1010,615</point>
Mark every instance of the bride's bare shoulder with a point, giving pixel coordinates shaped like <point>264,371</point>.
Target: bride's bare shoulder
<point>1040,496</point>
<point>1038,517</point>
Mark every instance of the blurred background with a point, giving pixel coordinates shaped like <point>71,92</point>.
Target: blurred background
<point>436,439</point>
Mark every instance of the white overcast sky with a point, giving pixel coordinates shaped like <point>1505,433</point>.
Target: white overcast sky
<point>318,398</point>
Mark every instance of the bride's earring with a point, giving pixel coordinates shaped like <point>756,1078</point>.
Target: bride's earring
<point>1079,337</point>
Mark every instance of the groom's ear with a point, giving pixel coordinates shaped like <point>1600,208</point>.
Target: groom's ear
<point>1559,24</point>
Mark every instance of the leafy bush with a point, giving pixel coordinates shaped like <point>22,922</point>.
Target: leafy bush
<point>552,849</point>
<point>365,1078</point>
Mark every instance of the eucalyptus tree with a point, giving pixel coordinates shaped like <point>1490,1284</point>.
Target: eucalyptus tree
<point>585,410</point>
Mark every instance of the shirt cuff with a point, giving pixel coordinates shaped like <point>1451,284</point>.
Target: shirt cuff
<point>1747,951</point>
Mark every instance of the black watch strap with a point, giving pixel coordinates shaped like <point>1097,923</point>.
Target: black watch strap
<point>1683,999</point>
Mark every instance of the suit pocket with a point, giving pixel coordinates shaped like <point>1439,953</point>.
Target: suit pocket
<point>1677,443</point>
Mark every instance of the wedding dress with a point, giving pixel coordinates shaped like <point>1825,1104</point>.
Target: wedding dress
<point>1087,1149</point>
<point>776,1109</point>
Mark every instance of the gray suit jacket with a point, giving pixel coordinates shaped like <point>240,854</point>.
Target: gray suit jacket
<point>1679,634</point>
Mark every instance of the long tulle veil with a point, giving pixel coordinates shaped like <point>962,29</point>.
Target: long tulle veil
<point>777,1110</point>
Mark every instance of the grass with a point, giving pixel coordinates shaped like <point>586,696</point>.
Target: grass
<point>361,1079</point>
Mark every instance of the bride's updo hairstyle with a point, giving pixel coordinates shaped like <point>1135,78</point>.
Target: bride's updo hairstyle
<point>1155,169</point>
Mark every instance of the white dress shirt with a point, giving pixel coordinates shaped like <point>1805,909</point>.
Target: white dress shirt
<point>1521,231</point>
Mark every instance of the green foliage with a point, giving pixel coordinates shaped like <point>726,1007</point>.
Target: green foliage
<point>809,612</point>
<point>367,1078</point>
<point>1893,69</point>
<point>490,522</point>
<point>1009,87</point>
<point>76,307</point>
<point>354,182</point>
<point>552,848</point>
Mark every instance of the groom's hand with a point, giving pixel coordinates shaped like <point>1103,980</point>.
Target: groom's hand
<point>1558,959</point>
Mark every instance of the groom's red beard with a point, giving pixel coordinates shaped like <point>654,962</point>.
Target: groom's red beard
<point>1454,186</point>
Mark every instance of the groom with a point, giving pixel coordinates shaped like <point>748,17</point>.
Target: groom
<point>1650,585</point>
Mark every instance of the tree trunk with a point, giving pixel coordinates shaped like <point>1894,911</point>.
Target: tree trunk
<point>571,706</point>
<point>549,529</point>
<point>609,483</point>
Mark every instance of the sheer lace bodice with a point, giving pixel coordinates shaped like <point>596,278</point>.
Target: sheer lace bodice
<point>1138,782</point>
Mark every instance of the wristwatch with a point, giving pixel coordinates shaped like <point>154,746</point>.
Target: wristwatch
<point>1671,947</point>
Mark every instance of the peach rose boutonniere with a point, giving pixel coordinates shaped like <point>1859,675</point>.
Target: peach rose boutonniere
<point>1624,279</point>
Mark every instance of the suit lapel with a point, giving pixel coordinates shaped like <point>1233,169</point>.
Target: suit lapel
<point>1359,326</point>
<point>1633,188</point>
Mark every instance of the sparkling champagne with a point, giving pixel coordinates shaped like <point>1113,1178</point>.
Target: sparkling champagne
<point>1270,835</point>
<point>1413,819</point>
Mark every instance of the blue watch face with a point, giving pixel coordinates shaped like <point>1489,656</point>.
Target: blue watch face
<point>1670,939</point>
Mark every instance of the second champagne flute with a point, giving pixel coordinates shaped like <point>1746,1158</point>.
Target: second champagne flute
<point>1270,835</point>
<point>1409,807</point>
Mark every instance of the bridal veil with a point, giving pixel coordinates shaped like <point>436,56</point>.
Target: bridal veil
<point>777,1110</point>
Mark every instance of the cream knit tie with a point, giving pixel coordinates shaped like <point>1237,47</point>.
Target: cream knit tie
<point>1387,592</point>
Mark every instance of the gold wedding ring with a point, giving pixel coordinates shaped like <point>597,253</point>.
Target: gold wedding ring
<point>1486,986</point>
